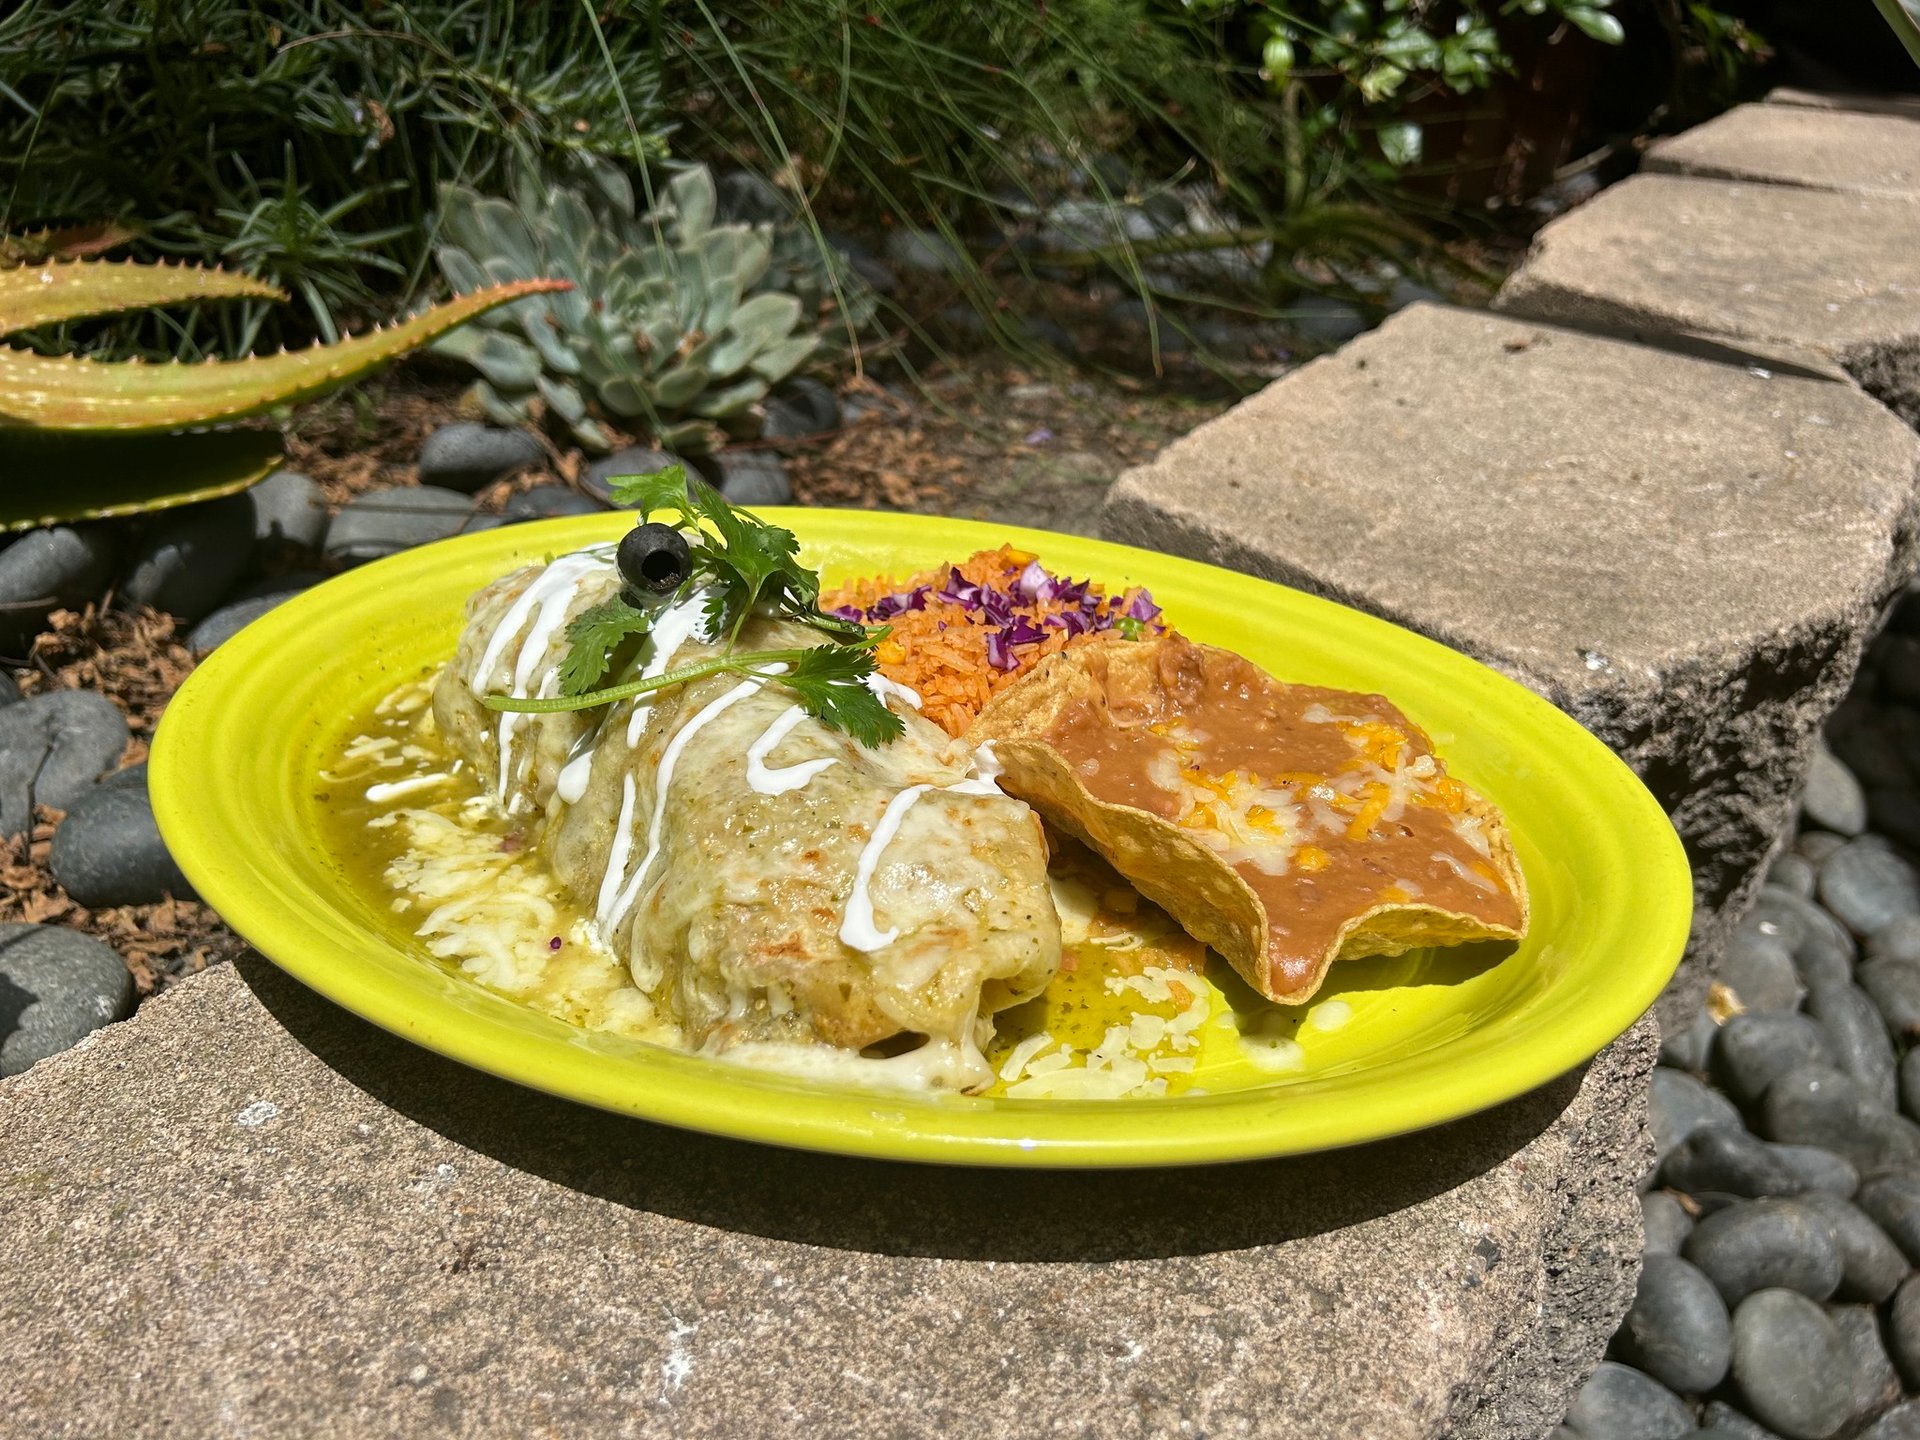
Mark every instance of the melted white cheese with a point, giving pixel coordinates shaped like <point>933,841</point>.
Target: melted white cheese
<point>858,928</point>
<point>394,789</point>
<point>663,782</point>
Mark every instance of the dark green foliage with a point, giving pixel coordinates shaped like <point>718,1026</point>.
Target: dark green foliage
<point>1298,119</point>
<point>303,139</point>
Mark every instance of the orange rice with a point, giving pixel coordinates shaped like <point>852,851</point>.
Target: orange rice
<point>941,650</point>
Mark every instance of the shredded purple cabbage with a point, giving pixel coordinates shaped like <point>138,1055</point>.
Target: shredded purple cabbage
<point>995,607</point>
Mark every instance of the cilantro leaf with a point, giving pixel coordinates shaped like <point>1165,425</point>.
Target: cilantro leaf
<point>745,565</point>
<point>593,636</point>
<point>661,490</point>
<point>828,682</point>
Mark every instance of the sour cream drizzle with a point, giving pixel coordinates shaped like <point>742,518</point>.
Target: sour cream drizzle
<point>763,781</point>
<point>858,928</point>
<point>571,783</point>
<point>882,687</point>
<point>782,779</point>
<point>662,783</point>
<point>672,628</point>
<point>552,592</point>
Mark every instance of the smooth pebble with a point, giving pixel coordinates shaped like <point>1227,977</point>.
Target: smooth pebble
<point>598,477</point>
<point>1664,1223</point>
<point>1625,1404</point>
<point>1791,1365</point>
<point>1832,797</point>
<point>229,620</point>
<point>186,559</point>
<point>1892,1200</point>
<point>544,502</point>
<point>52,747</point>
<point>385,522</point>
<point>1871,1265</point>
<point>57,986</point>
<point>1903,1331</point>
<point>467,456</point>
<point>1876,1384</point>
<point>1752,1051</point>
<point>289,516</point>
<point>1677,1330</point>
<point>108,851</point>
<point>1820,1105</point>
<point>754,477</point>
<point>1765,1244</point>
<point>1858,1037</point>
<point>1867,886</point>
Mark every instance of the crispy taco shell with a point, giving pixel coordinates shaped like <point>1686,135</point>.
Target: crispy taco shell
<point>1252,811</point>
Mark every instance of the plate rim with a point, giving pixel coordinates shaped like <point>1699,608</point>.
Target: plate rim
<point>695,1093</point>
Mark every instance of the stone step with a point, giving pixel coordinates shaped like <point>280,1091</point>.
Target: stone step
<point>1866,102</point>
<point>1822,149</point>
<point>259,1211</point>
<point>1683,553</point>
<point>1831,276</point>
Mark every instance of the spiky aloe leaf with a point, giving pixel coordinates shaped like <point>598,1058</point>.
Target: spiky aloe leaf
<point>52,477</point>
<point>33,295</point>
<point>69,243</point>
<point>58,393</point>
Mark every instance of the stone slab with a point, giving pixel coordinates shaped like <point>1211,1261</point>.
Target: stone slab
<point>1684,553</point>
<point>1823,149</point>
<point>1863,101</point>
<point>245,1212</point>
<point>1662,256</point>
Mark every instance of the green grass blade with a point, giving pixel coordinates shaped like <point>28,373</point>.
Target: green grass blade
<point>59,290</point>
<point>39,392</point>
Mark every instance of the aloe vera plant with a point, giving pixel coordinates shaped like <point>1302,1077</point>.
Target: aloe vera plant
<point>78,437</point>
<point>673,327</point>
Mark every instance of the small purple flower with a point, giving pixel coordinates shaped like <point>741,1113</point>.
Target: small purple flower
<point>1040,436</point>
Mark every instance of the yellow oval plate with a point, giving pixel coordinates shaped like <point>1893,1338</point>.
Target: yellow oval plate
<point>1431,1037</point>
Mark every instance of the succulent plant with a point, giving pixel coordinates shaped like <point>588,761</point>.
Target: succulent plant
<point>76,436</point>
<point>672,327</point>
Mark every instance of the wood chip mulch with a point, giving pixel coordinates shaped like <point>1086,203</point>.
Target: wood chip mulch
<point>134,657</point>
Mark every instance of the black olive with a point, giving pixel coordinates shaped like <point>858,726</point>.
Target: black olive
<point>653,559</point>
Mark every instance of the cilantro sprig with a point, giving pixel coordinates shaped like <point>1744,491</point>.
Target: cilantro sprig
<point>829,681</point>
<point>747,567</point>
